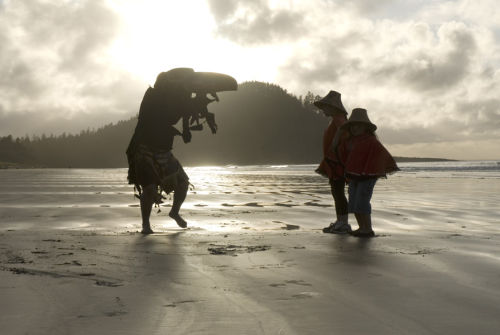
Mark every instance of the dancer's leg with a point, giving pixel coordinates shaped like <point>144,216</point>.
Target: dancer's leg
<point>180,193</point>
<point>147,200</point>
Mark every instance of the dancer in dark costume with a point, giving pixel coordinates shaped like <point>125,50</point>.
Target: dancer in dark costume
<point>153,169</point>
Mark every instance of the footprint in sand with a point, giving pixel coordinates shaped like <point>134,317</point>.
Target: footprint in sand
<point>235,249</point>
<point>15,259</point>
<point>120,311</point>
<point>285,205</point>
<point>39,252</point>
<point>304,295</point>
<point>252,204</point>
<point>107,283</point>
<point>314,203</point>
<point>290,227</point>
<point>33,272</point>
<point>294,282</point>
<point>65,254</point>
<point>174,304</point>
<point>298,282</point>
<point>115,313</point>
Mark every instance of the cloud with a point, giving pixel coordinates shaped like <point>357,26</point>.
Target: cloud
<point>459,149</point>
<point>54,64</point>
<point>472,130</point>
<point>252,22</point>
<point>410,55</point>
<point>30,123</point>
<point>481,12</point>
<point>366,7</point>
<point>430,66</point>
<point>482,117</point>
<point>222,9</point>
<point>427,71</point>
<point>422,79</point>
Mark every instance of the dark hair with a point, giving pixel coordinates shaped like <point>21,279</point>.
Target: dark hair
<point>367,129</point>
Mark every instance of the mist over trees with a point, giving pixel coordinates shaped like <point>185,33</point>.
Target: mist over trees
<point>258,124</point>
<point>14,151</point>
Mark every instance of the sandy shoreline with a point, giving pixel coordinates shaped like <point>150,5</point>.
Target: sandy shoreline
<point>291,282</point>
<point>252,263</point>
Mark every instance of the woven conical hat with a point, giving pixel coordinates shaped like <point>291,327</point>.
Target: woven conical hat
<point>359,115</point>
<point>332,99</point>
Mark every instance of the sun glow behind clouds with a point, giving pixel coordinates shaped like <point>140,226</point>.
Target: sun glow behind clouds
<point>160,35</point>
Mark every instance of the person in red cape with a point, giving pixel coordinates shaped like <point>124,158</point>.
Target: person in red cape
<point>365,160</point>
<point>330,167</point>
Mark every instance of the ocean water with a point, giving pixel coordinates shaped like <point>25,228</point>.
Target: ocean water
<point>30,185</point>
<point>452,169</point>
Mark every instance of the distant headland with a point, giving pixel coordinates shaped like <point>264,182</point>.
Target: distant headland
<point>421,159</point>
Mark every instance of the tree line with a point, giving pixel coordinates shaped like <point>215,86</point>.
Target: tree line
<point>261,123</point>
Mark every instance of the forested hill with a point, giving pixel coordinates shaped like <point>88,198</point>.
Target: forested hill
<point>258,124</point>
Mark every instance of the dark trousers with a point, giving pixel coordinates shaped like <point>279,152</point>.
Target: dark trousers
<point>337,187</point>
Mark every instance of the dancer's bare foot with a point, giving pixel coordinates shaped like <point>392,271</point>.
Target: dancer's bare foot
<point>146,229</point>
<point>180,221</point>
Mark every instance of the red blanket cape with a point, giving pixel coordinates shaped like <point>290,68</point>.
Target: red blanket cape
<point>329,166</point>
<point>365,156</point>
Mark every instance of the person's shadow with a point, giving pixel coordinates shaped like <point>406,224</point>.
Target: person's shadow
<point>354,249</point>
<point>159,256</point>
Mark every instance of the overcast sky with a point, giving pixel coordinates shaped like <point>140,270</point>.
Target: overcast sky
<point>428,71</point>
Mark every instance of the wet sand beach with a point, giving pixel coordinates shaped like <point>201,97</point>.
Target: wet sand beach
<point>254,259</point>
